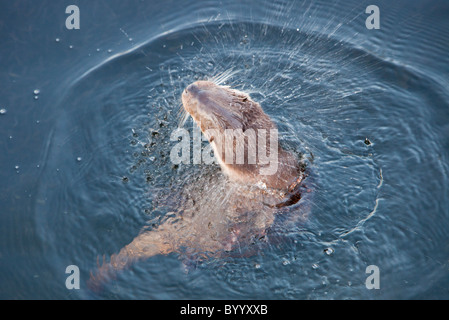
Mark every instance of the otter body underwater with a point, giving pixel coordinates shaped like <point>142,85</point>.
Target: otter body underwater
<point>233,210</point>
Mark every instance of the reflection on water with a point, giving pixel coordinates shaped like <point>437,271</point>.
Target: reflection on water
<point>371,124</point>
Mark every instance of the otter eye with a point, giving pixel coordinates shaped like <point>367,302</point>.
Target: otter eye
<point>245,99</point>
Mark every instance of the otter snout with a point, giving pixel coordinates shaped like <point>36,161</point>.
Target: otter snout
<point>198,96</point>
<point>192,89</point>
<point>190,94</point>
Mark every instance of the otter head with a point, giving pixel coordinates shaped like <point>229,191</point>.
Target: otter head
<point>242,135</point>
<point>218,107</point>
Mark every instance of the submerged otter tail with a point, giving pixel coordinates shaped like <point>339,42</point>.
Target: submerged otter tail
<point>145,245</point>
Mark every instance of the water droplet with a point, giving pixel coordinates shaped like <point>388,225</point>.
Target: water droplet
<point>70,47</point>
<point>2,111</point>
<point>261,185</point>
<point>109,50</point>
<point>36,97</point>
<point>79,159</point>
<point>257,266</point>
<point>329,251</point>
<point>36,92</point>
<point>98,49</point>
<point>315,266</point>
<point>57,39</point>
<point>130,39</point>
<point>17,167</point>
<point>285,262</point>
<point>297,29</point>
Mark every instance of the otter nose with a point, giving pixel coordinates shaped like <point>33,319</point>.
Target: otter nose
<point>192,89</point>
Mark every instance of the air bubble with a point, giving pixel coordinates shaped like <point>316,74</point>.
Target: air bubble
<point>2,111</point>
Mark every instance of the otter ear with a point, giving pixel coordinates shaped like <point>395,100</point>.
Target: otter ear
<point>212,138</point>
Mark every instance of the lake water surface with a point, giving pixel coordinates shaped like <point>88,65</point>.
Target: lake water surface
<point>85,143</point>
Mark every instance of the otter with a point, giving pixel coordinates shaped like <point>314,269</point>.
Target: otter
<point>222,215</point>
<point>226,117</point>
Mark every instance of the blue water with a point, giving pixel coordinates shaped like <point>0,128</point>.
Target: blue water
<point>85,159</point>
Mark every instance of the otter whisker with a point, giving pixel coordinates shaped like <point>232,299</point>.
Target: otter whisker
<point>224,76</point>
<point>181,110</point>
<point>185,116</point>
<point>182,116</point>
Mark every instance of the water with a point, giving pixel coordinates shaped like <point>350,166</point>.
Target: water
<point>85,140</point>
